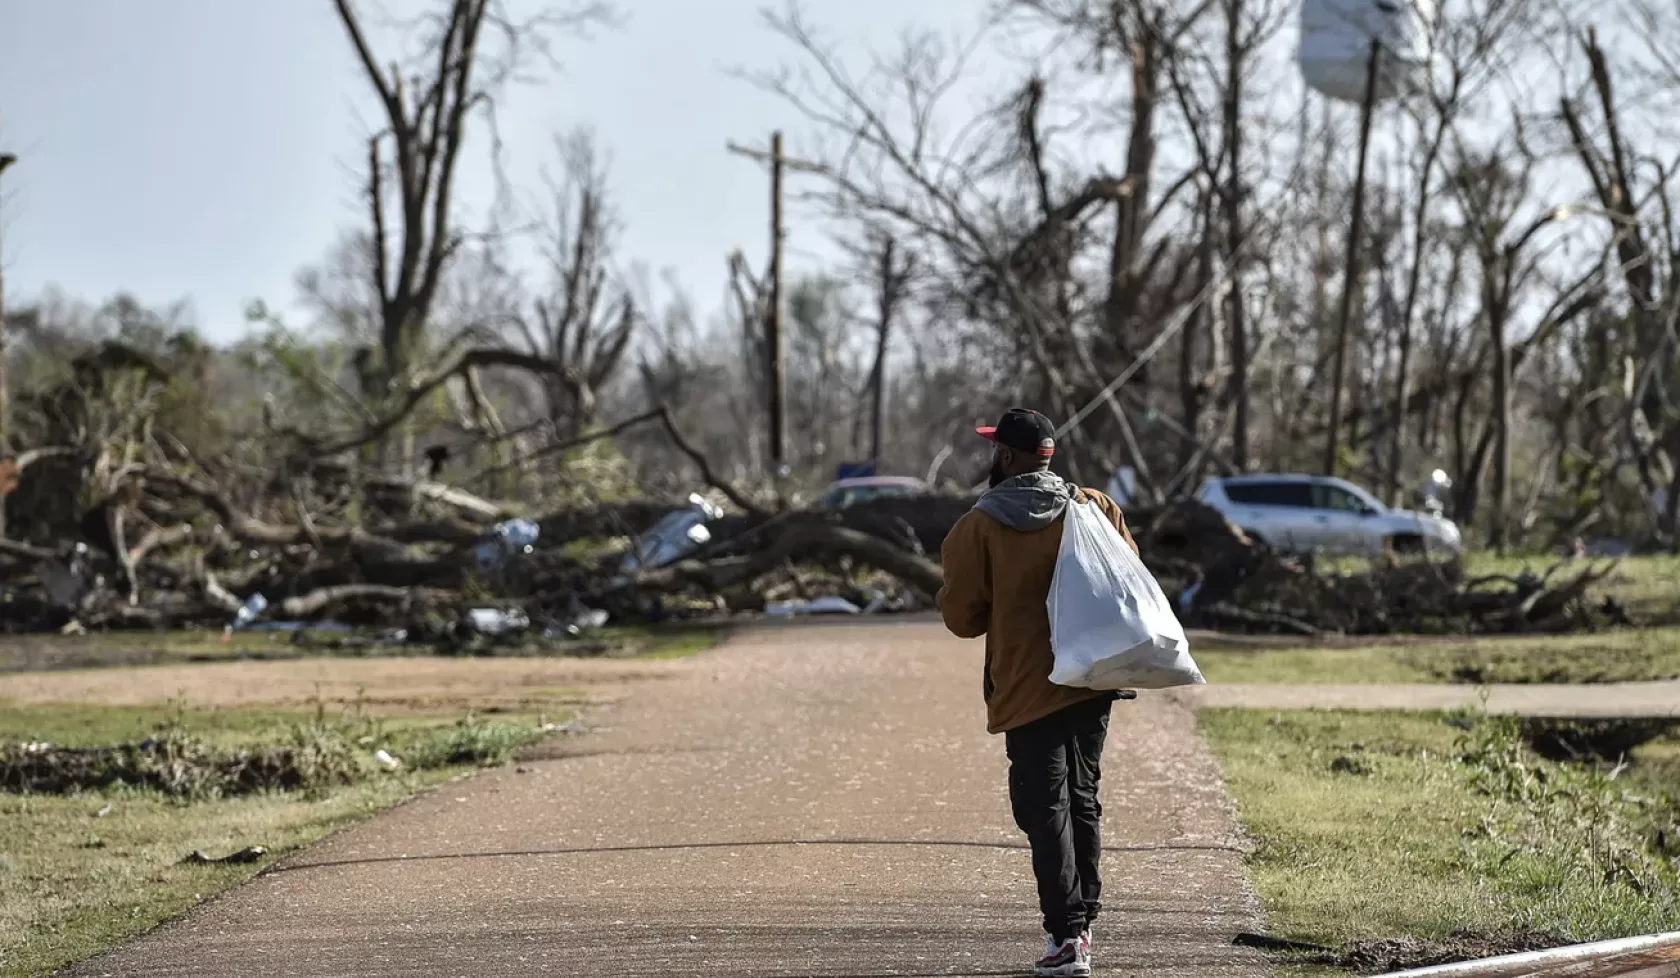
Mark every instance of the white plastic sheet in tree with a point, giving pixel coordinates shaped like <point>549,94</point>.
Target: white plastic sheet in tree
<point>1335,49</point>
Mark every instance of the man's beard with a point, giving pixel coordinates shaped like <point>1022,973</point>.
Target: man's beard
<point>997,476</point>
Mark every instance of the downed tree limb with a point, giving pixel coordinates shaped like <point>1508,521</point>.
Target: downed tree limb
<point>159,538</point>
<point>809,540</point>
<point>26,459</point>
<point>561,447</point>
<point>439,492</point>
<point>662,414</point>
<point>24,551</point>
<point>250,530</point>
<point>705,466</point>
<point>1225,617</point>
<point>417,393</point>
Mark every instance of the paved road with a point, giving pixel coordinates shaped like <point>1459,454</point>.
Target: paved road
<point>1651,699</point>
<point>816,801</point>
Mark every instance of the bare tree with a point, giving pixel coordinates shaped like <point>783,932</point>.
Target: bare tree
<point>471,50</point>
<point>586,320</point>
<point>1647,246</point>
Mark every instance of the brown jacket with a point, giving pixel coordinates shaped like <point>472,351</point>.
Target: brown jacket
<point>997,581</point>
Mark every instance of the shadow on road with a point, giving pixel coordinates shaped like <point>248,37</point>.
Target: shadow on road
<point>764,844</point>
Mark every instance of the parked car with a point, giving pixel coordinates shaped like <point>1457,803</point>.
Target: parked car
<point>850,492</point>
<point>1308,513</point>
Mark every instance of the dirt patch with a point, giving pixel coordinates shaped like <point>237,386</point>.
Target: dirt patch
<point>1588,741</point>
<point>1386,955</point>
<point>391,686</point>
<point>1383,956</point>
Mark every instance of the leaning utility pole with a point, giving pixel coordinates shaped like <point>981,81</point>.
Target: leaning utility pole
<point>773,373</point>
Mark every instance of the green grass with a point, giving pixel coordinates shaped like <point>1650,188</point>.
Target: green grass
<point>1621,656</point>
<point>113,649</point>
<point>665,643</point>
<point>73,883</point>
<point>1307,665</point>
<point>33,652</point>
<point>1376,826</point>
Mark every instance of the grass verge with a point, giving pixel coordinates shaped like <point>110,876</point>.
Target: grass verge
<point>1394,840</point>
<point>31,653</point>
<point>83,870</point>
<point>1622,656</point>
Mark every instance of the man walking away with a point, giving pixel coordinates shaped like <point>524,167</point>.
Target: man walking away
<point>999,560</point>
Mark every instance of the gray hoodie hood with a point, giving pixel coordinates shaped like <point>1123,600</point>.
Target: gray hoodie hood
<point>1028,502</point>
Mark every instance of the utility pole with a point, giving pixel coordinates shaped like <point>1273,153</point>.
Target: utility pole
<point>773,325</point>
<point>1350,281</point>
<point>892,281</point>
<point>774,375</point>
<point>6,160</point>
<point>1236,246</point>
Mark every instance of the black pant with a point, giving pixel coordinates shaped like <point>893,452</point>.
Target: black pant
<point>1054,767</point>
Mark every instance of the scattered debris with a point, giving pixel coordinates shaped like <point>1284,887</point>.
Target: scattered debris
<point>245,856</point>
<point>675,535</point>
<point>515,537</point>
<point>383,758</point>
<point>175,766</point>
<point>254,606</point>
<point>496,621</point>
<point>426,562</point>
<point>587,620</point>
<point>831,604</point>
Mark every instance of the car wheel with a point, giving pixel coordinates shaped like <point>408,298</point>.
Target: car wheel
<point>1407,543</point>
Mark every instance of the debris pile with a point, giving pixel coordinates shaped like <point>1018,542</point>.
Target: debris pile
<point>424,561</point>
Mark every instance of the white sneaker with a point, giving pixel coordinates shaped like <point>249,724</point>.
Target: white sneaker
<point>1068,959</point>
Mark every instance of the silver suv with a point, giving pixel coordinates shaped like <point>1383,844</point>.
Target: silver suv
<point>1309,513</point>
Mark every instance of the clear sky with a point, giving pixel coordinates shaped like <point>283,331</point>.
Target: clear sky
<point>206,149</point>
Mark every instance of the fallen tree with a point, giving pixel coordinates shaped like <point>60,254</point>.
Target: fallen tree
<point>335,538</point>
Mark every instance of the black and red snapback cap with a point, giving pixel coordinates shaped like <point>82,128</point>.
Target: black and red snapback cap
<point>1024,431</point>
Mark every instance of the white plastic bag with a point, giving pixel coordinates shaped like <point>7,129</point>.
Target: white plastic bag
<point>1335,47</point>
<point>1111,627</point>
